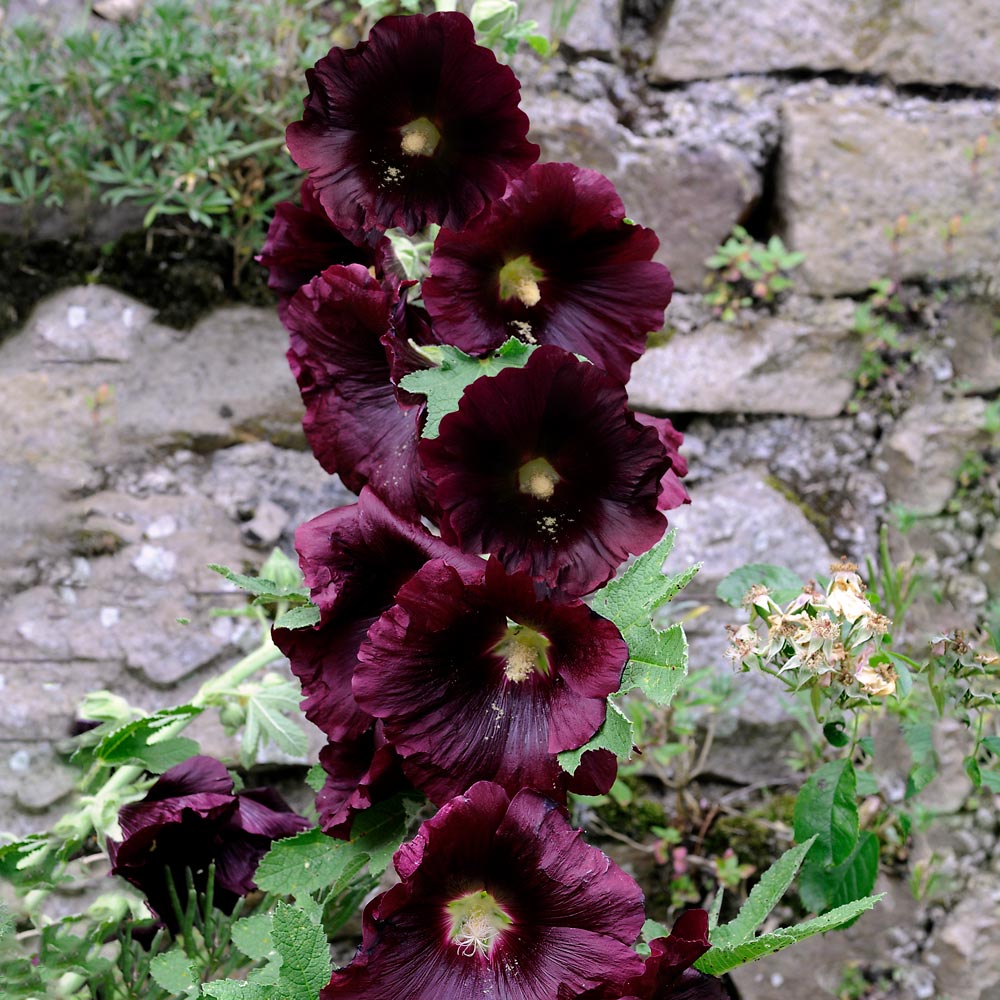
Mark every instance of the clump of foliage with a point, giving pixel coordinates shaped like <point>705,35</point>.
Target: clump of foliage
<point>747,274</point>
<point>181,112</point>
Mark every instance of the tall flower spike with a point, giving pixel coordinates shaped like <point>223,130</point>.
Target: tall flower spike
<point>416,125</point>
<point>554,262</point>
<point>546,468</point>
<point>499,898</point>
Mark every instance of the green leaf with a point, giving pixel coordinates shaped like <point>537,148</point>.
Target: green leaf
<point>300,865</point>
<point>236,989</point>
<point>443,386</point>
<point>301,616</point>
<point>826,805</point>
<point>822,888</point>
<point>379,830</point>
<point>717,961</point>
<point>657,662</point>
<point>616,734</point>
<point>631,598</point>
<point>782,583</point>
<point>146,743</point>
<point>992,743</point>
<point>252,935</point>
<point>272,713</point>
<point>259,586</point>
<point>316,778</point>
<point>836,733</point>
<point>919,737</point>
<point>30,860</point>
<point>991,779</point>
<point>763,898</point>
<point>173,971</point>
<point>304,951</point>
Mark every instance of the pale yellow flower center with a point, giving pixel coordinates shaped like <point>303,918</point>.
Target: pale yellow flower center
<point>476,922</point>
<point>519,279</point>
<point>537,478</point>
<point>419,137</point>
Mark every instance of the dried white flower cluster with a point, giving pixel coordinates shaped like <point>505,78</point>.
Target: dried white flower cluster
<point>821,636</point>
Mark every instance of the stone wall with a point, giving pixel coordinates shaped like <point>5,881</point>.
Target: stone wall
<point>134,454</point>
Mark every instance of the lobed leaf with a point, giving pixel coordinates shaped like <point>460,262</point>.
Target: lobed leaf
<point>444,385</point>
<point>616,734</point>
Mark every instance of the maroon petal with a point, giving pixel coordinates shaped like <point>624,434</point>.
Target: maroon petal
<point>669,974</point>
<point>481,679</point>
<point>356,136</point>
<point>546,468</point>
<point>302,242</point>
<point>672,491</point>
<point>354,559</point>
<point>563,913</point>
<point>354,422</point>
<point>592,286</point>
<point>359,774</point>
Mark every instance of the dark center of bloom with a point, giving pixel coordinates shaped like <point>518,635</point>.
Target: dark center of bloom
<point>519,280</point>
<point>537,478</point>
<point>524,651</point>
<point>476,922</point>
<point>419,137</point>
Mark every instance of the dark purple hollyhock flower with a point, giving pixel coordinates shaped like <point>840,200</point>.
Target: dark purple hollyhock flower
<point>499,898</point>
<point>547,468</point>
<point>554,262</point>
<point>354,559</point>
<point>302,242</point>
<point>482,680</point>
<point>672,491</point>
<point>189,819</point>
<point>356,423</point>
<point>416,125</point>
<point>359,773</point>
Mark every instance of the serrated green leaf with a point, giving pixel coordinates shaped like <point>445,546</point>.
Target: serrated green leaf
<point>272,713</point>
<point>252,935</point>
<point>379,830</point>
<point>173,971</point>
<point>763,898</point>
<point>304,951</point>
<point>29,860</point>
<point>631,598</point>
<point>616,734</point>
<point>301,616</point>
<point>444,386</point>
<point>300,865</point>
<point>717,961</point>
<point>236,989</point>
<point>783,584</point>
<point>826,805</point>
<point>259,586</point>
<point>148,741</point>
<point>316,778</point>
<point>714,910</point>
<point>657,661</point>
